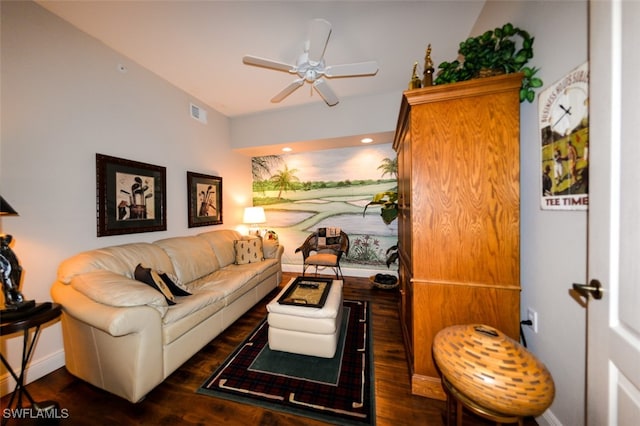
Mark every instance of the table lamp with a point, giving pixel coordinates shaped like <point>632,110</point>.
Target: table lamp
<point>10,269</point>
<point>254,216</point>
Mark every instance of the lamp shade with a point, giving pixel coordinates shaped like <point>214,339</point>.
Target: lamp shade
<point>253,215</point>
<point>6,209</point>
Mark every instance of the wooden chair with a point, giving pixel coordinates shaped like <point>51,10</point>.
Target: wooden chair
<point>323,252</point>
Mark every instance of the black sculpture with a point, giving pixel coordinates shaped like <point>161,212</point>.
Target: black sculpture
<point>11,273</point>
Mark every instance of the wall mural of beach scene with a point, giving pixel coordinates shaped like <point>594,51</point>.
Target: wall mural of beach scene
<point>301,192</point>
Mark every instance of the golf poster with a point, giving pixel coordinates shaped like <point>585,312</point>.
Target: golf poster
<point>134,197</point>
<point>563,112</point>
<point>207,200</point>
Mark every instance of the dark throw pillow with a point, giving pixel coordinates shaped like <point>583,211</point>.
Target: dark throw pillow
<point>175,289</point>
<point>151,278</point>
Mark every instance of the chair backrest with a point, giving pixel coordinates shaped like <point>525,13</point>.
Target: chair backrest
<point>311,244</point>
<point>332,238</point>
<point>345,242</point>
<point>328,238</point>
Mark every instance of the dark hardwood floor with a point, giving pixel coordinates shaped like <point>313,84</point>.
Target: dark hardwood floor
<point>174,402</point>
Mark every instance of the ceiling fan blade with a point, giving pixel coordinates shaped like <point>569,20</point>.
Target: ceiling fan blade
<point>347,70</point>
<point>319,32</point>
<point>268,63</point>
<point>288,90</point>
<point>325,91</point>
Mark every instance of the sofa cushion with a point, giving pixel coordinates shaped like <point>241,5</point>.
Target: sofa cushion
<point>255,268</point>
<point>267,268</point>
<point>113,289</point>
<point>121,259</point>
<point>221,241</point>
<point>231,281</point>
<point>185,306</point>
<point>90,261</point>
<point>173,329</point>
<point>191,256</point>
<point>248,250</point>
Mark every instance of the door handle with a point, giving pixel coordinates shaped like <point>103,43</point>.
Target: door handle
<point>594,289</point>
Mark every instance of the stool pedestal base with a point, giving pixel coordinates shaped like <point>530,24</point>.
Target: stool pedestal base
<point>456,402</point>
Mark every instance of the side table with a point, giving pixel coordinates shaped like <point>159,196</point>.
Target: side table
<point>33,318</point>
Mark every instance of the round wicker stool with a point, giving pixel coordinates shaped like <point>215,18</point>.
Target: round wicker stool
<point>490,374</point>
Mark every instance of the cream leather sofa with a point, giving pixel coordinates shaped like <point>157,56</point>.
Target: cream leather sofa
<point>122,336</point>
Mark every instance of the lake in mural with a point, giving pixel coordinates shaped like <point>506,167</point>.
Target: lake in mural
<point>306,191</point>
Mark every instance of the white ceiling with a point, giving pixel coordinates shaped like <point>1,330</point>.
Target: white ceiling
<point>198,45</point>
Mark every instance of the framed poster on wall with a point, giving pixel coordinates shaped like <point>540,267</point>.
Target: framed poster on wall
<point>131,196</point>
<point>204,193</point>
<point>563,113</point>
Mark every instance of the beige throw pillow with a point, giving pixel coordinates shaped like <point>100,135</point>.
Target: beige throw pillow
<point>248,251</point>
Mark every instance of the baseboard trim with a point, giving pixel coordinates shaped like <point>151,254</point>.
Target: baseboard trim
<point>548,419</point>
<point>36,369</point>
<point>350,272</point>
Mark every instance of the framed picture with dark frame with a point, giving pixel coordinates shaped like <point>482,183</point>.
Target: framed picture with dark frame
<point>204,195</point>
<point>131,196</point>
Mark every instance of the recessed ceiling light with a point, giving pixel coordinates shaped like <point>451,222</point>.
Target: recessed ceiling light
<point>366,140</point>
<point>287,149</point>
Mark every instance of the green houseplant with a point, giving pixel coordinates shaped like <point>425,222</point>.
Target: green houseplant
<point>389,205</point>
<point>388,212</point>
<point>492,53</point>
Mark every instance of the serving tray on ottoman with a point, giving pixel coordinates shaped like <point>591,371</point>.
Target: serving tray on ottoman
<point>305,291</point>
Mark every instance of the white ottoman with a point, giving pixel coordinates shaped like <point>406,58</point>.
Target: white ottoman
<point>304,330</point>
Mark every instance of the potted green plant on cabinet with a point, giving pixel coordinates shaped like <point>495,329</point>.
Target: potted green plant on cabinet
<point>492,53</point>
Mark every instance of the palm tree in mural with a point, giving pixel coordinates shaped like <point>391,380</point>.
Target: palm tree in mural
<point>284,179</point>
<point>389,166</point>
<point>261,166</point>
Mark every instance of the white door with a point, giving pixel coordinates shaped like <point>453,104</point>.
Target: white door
<point>613,348</point>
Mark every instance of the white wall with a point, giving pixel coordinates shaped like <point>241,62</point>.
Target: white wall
<point>63,101</point>
<point>356,116</point>
<point>553,243</point>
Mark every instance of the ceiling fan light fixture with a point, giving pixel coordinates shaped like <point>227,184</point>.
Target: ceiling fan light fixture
<point>311,67</point>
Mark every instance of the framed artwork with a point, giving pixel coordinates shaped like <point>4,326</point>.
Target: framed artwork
<point>131,196</point>
<point>563,113</point>
<point>204,195</point>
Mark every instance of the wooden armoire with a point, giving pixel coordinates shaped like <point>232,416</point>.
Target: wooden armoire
<point>459,214</point>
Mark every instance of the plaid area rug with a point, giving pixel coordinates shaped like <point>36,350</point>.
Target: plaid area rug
<point>337,390</point>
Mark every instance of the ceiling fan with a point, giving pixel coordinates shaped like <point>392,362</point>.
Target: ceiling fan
<point>311,66</point>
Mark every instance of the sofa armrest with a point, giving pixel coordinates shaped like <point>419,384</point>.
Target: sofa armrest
<point>118,349</point>
<point>272,250</point>
<point>112,289</point>
<point>279,253</point>
<point>116,321</point>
